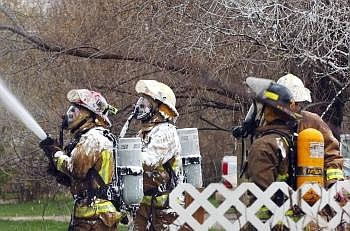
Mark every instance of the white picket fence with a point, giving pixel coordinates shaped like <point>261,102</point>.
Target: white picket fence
<point>216,216</point>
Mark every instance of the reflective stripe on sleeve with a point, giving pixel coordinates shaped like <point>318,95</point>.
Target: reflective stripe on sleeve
<point>282,177</point>
<point>334,173</point>
<point>98,208</point>
<point>60,163</point>
<point>159,200</point>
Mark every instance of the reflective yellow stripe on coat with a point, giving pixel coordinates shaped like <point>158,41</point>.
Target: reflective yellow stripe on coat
<point>159,200</point>
<point>86,211</point>
<point>334,173</point>
<point>105,171</point>
<point>282,177</point>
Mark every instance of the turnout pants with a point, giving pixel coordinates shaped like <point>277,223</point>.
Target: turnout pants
<point>156,219</point>
<point>90,225</point>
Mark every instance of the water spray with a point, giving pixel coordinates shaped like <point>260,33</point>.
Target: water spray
<point>126,125</point>
<point>334,99</point>
<point>18,110</point>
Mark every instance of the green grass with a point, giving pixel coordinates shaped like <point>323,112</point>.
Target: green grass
<point>39,226</point>
<point>216,204</point>
<point>33,226</point>
<point>213,201</point>
<point>47,207</point>
<point>122,228</point>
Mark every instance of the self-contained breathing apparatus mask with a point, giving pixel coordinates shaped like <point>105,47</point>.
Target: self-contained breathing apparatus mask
<point>253,118</point>
<point>255,113</point>
<point>144,109</point>
<point>72,119</point>
<point>75,117</point>
<point>251,121</point>
<point>70,116</point>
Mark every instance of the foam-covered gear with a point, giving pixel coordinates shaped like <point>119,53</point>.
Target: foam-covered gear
<point>90,166</point>
<point>91,100</point>
<point>158,91</point>
<point>75,117</point>
<point>145,109</point>
<point>50,146</point>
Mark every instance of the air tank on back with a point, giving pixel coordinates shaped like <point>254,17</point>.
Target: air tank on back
<point>191,157</point>
<point>310,157</point>
<point>130,169</point>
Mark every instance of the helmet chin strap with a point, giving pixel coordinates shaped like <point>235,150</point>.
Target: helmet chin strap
<point>148,117</point>
<point>73,130</point>
<point>151,114</point>
<point>90,116</point>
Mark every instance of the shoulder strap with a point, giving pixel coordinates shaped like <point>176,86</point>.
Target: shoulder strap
<point>73,142</point>
<point>172,183</point>
<point>288,138</point>
<point>292,157</point>
<point>92,173</point>
<point>110,136</point>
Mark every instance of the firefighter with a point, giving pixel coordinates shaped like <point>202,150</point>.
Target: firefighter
<point>333,161</point>
<point>161,154</point>
<point>87,160</point>
<point>269,154</point>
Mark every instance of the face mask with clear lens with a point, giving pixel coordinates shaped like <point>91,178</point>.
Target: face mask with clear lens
<point>71,115</point>
<point>144,108</point>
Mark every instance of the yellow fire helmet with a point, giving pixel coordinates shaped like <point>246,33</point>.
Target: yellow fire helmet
<point>158,91</point>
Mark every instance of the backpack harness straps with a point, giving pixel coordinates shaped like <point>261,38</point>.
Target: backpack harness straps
<point>290,140</point>
<point>105,191</point>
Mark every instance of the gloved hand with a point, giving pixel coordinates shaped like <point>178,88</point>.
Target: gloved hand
<point>238,131</point>
<point>61,178</point>
<point>50,147</point>
<point>124,220</point>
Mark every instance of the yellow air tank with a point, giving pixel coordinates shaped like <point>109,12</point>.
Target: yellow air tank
<point>310,157</point>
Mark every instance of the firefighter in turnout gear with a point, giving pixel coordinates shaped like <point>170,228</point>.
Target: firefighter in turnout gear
<point>333,161</point>
<point>270,155</point>
<point>87,161</point>
<point>161,154</point>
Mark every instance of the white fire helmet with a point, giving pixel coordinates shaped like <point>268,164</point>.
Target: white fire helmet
<point>296,86</point>
<point>158,91</point>
<point>90,100</point>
